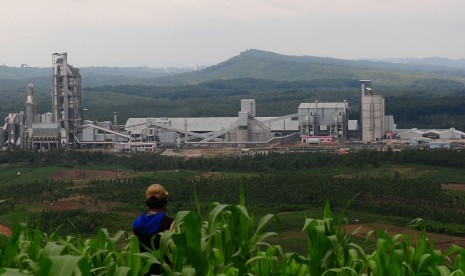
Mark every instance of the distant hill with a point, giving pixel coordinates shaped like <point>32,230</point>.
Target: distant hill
<point>14,78</point>
<point>267,65</point>
<point>459,63</point>
<point>255,64</point>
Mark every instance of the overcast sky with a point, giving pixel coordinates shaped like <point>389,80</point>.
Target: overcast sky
<point>185,33</point>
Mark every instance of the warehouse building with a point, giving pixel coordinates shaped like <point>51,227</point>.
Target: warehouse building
<point>451,134</point>
<point>245,129</point>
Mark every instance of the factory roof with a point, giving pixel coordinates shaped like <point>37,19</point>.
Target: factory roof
<point>207,124</point>
<point>424,131</point>
<point>323,105</point>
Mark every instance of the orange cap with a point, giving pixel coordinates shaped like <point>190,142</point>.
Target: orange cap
<point>156,190</point>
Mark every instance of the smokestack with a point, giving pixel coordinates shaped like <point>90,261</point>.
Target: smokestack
<point>115,121</point>
<point>185,130</point>
<point>30,106</point>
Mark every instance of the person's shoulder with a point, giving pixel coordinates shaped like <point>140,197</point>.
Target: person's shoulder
<point>166,222</point>
<point>141,216</point>
<point>168,218</point>
<point>139,220</point>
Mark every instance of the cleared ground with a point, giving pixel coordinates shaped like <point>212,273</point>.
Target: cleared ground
<point>82,175</point>
<point>453,186</point>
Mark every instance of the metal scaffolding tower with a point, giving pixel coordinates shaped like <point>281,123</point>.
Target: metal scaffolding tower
<point>66,98</point>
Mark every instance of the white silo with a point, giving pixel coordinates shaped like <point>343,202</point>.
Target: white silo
<point>372,113</point>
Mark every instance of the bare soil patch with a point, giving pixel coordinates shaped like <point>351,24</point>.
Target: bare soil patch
<point>199,153</point>
<point>205,176</point>
<point>186,153</point>
<point>83,175</point>
<point>441,241</point>
<point>81,202</point>
<point>5,230</point>
<point>453,186</point>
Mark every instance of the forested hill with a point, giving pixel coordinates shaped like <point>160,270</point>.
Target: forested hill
<point>17,79</point>
<point>267,65</point>
<point>255,64</point>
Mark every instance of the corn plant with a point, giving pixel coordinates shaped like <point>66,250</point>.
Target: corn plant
<point>228,242</point>
<point>221,245</point>
<point>397,255</point>
<point>328,250</point>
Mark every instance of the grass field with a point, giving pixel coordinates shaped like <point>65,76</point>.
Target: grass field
<point>289,218</point>
<point>20,173</point>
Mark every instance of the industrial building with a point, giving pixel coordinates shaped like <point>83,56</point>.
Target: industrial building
<point>321,122</point>
<point>245,129</point>
<point>64,126</point>
<point>13,131</point>
<point>323,119</point>
<point>449,134</point>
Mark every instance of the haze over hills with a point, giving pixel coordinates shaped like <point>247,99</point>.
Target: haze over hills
<point>255,64</point>
<point>15,77</point>
<point>459,63</point>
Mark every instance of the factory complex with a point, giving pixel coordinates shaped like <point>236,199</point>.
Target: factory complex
<point>313,123</point>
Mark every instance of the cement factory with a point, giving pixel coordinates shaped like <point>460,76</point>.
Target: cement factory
<point>315,122</point>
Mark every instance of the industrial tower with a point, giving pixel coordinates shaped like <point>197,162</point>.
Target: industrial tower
<point>31,108</point>
<point>372,113</point>
<point>66,98</point>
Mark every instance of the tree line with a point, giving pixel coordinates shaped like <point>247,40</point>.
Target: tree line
<point>256,163</point>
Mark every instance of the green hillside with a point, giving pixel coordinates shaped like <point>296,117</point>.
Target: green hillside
<point>14,79</point>
<point>255,64</point>
<point>267,65</point>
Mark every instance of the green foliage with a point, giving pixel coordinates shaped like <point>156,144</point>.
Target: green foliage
<point>227,243</point>
<point>388,184</point>
<point>427,112</point>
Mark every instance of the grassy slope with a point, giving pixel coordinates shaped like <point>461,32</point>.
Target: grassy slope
<point>19,173</point>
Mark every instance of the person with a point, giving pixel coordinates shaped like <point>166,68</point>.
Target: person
<point>149,225</point>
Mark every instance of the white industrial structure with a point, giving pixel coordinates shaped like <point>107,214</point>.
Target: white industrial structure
<point>31,111</point>
<point>323,119</point>
<point>372,113</point>
<point>245,129</point>
<point>13,132</point>
<point>414,133</point>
